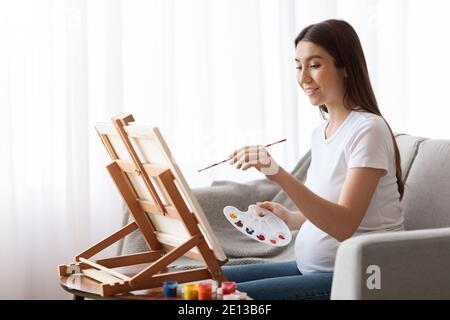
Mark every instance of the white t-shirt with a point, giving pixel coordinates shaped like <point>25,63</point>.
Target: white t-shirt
<point>362,140</point>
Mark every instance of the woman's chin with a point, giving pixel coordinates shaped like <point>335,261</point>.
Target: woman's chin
<point>315,102</point>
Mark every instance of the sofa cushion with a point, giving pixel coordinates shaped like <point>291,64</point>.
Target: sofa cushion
<point>408,146</point>
<point>426,201</point>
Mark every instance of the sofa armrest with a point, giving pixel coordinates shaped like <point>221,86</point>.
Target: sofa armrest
<point>394,265</point>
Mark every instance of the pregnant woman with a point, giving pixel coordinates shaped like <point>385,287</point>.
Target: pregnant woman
<point>353,184</point>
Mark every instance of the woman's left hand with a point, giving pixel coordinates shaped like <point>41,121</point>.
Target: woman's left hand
<point>254,156</point>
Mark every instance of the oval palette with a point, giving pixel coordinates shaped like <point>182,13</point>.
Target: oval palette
<point>267,229</point>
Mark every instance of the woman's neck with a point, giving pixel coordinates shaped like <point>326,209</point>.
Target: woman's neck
<point>336,115</point>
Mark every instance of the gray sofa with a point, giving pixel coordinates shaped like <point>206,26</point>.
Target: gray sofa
<point>414,264</point>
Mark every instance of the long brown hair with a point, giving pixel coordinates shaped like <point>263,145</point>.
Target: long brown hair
<point>342,43</point>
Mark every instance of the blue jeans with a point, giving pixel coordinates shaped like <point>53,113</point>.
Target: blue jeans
<point>279,280</point>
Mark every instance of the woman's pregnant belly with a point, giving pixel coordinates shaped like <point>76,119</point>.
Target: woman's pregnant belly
<point>315,250</point>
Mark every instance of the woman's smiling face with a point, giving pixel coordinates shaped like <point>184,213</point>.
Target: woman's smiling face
<point>318,76</point>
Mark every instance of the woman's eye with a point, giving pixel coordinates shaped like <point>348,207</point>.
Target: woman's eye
<point>313,66</point>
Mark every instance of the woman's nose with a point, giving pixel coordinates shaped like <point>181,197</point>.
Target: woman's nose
<point>304,77</point>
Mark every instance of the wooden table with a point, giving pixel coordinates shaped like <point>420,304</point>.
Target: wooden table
<point>81,287</point>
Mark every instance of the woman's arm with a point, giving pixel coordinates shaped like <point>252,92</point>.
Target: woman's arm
<point>296,221</point>
<point>340,220</point>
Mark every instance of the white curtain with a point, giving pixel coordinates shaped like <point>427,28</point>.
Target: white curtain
<point>213,75</point>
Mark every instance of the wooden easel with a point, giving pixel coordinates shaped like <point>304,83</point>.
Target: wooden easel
<point>161,253</point>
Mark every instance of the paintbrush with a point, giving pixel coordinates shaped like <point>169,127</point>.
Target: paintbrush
<point>215,164</point>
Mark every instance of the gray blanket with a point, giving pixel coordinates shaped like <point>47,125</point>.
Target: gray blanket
<point>239,248</point>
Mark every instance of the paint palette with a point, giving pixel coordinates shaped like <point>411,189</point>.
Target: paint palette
<point>268,229</point>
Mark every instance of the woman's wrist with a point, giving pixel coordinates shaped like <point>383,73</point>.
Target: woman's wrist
<point>278,175</point>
